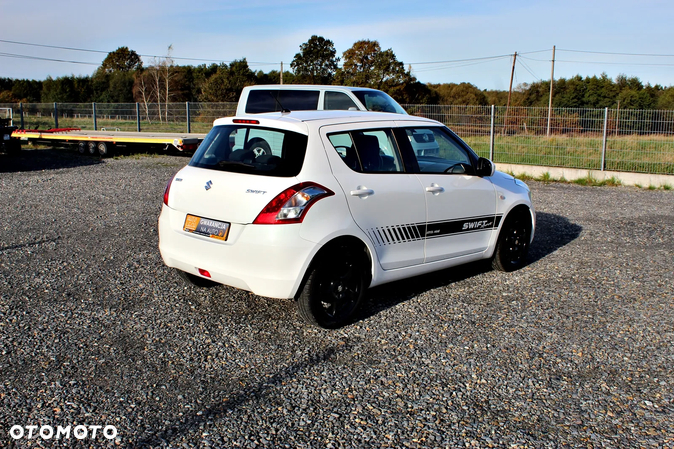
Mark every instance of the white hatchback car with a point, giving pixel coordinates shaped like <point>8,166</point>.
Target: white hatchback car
<point>318,206</point>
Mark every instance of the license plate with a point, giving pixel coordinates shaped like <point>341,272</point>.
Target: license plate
<point>205,226</point>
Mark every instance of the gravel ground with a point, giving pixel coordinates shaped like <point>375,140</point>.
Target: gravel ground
<point>575,350</point>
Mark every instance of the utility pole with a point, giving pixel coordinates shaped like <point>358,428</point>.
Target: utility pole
<point>510,90</point>
<point>552,82</point>
<point>281,76</point>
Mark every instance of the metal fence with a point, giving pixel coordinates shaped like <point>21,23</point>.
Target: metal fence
<point>601,139</point>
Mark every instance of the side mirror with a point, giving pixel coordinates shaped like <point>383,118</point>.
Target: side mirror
<point>485,167</point>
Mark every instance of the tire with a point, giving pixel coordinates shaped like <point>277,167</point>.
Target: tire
<point>91,146</point>
<point>82,147</point>
<point>195,280</point>
<point>513,243</point>
<point>104,149</point>
<point>334,287</point>
<point>259,147</point>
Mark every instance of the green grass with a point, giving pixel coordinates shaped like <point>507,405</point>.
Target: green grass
<point>586,181</point>
<point>645,154</point>
<point>545,177</point>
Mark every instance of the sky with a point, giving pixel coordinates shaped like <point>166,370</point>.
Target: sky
<point>450,41</point>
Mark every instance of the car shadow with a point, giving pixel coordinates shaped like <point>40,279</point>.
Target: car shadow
<point>552,232</point>
<point>48,159</point>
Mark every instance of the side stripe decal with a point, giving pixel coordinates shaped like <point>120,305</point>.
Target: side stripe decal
<point>395,234</point>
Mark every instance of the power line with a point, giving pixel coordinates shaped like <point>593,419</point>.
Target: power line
<point>52,46</point>
<point>619,54</point>
<point>606,62</point>
<point>462,60</point>
<point>453,66</point>
<point>106,52</point>
<point>11,55</point>
<point>528,69</point>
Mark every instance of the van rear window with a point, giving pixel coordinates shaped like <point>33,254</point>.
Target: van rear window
<point>273,100</point>
<point>252,150</point>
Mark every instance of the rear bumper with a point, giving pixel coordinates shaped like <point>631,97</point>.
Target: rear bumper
<point>268,260</point>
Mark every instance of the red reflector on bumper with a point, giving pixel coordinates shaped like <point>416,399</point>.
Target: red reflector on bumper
<point>204,273</point>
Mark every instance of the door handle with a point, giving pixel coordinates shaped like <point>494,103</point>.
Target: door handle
<point>362,192</point>
<point>435,189</point>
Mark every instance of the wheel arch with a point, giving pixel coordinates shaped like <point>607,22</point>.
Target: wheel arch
<point>350,240</point>
<point>521,208</point>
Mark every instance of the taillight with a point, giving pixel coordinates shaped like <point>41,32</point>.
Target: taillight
<point>166,191</point>
<point>291,205</point>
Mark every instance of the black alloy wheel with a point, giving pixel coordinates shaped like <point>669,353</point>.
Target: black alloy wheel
<point>513,243</point>
<point>334,288</point>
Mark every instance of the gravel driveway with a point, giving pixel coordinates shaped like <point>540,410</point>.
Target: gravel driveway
<point>575,350</point>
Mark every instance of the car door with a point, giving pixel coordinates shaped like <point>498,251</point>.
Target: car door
<point>385,202</point>
<point>461,206</point>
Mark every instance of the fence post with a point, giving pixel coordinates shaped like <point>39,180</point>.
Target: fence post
<point>138,117</point>
<point>603,144</point>
<point>491,135</point>
<point>56,116</point>
<point>21,113</point>
<point>93,107</point>
<point>187,110</point>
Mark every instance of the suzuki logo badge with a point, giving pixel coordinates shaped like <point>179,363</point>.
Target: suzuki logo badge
<point>208,185</point>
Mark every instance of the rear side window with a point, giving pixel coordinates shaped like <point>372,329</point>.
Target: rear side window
<point>274,100</point>
<point>338,101</point>
<point>253,150</point>
<point>368,151</point>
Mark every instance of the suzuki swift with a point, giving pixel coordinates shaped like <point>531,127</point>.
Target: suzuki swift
<point>318,206</point>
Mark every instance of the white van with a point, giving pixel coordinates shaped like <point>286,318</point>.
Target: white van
<point>303,97</point>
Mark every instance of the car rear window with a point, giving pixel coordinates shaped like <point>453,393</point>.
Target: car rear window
<point>253,150</point>
<point>273,100</point>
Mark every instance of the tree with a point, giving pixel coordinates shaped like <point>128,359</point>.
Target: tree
<point>316,62</point>
<point>21,90</point>
<point>122,60</point>
<point>666,99</point>
<point>366,65</point>
<point>274,77</point>
<point>155,84</point>
<point>66,89</point>
<point>459,94</point>
<point>228,82</point>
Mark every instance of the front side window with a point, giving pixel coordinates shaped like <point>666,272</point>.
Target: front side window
<point>253,150</point>
<point>368,151</point>
<point>437,151</point>
<point>378,101</point>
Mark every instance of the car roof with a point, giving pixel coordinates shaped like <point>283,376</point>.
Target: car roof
<point>301,120</point>
<point>305,87</point>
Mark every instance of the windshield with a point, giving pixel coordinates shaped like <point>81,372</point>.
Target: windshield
<point>253,150</point>
<point>378,101</point>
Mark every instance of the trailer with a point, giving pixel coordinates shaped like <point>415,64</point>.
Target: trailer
<point>103,143</point>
